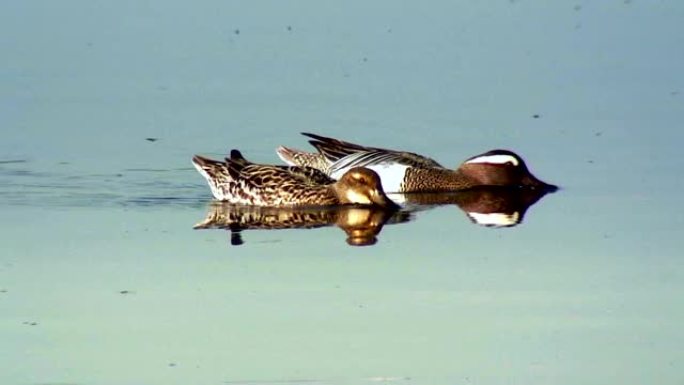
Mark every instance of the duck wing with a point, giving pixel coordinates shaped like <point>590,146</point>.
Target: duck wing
<point>387,160</point>
<point>309,175</point>
<point>335,150</point>
<point>272,177</point>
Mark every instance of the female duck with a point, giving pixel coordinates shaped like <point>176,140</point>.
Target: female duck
<point>406,172</point>
<point>238,181</point>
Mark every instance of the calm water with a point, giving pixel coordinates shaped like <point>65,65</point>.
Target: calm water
<point>104,281</point>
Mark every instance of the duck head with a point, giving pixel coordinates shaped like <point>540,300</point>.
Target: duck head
<point>502,168</point>
<point>362,186</point>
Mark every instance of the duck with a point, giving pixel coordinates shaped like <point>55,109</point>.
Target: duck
<point>408,172</point>
<point>238,181</point>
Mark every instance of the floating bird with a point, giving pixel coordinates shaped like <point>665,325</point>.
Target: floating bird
<point>407,172</point>
<point>239,181</point>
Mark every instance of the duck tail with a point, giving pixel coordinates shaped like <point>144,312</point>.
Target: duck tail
<point>237,158</point>
<point>289,155</point>
<point>202,163</point>
<point>294,157</point>
<point>212,170</point>
<point>236,163</point>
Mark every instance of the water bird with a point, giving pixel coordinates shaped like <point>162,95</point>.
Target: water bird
<point>239,181</point>
<point>407,172</point>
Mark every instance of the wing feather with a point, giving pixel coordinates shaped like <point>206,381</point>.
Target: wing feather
<point>336,150</point>
<point>374,158</point>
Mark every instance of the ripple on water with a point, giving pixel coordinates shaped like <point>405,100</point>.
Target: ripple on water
<point>23,185</point>
<point>13,161</point>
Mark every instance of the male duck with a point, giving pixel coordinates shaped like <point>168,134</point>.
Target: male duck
<point>238,181</point>
<point>406,172</point>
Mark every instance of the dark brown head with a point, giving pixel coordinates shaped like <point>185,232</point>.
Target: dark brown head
<point>501,168</point>
<point>362,186</point>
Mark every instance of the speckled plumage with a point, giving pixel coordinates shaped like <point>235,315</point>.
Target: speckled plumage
<point>362,224</point>
<point>406,172</point>
<point>238,181</point>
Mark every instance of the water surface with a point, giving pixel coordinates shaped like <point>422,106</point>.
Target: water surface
<point>104,281</point>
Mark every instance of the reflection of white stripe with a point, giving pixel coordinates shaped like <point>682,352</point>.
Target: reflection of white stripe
<point>496,159</point>
<point>397,198</point>
<point>495,219</point>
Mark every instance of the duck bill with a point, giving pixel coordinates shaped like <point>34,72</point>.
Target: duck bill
<point>382,200</point>
<point>531,181</point>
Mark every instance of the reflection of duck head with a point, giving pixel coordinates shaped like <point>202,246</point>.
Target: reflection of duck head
<point>361,223</point>
<point>487,206</point>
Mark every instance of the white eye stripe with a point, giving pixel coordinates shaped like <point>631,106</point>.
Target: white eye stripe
<point>495,219</point>
<point>495,159</point>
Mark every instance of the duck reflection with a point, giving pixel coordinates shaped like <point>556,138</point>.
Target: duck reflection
<point>485,206</point>
<point>493,207</point>
<point>361,224</point>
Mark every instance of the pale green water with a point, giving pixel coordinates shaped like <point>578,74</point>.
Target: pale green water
<point>103,280</point>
